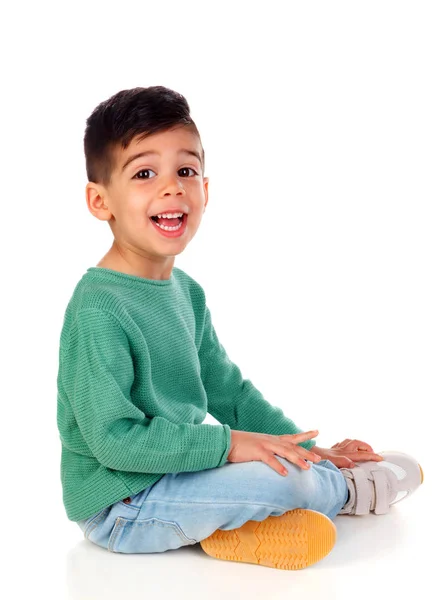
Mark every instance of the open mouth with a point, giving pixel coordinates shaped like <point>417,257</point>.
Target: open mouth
<point>170,227</point>
<point>168,224</point>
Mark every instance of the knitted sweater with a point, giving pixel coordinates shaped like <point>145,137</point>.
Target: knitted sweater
<point>140,365</point>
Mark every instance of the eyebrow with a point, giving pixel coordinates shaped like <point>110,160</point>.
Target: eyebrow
<point>147,152</point>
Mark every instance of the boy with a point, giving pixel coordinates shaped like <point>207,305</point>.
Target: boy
<point>140,365</point>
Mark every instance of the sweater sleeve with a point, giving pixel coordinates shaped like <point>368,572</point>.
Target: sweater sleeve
<point>99,374</point>
<point>233,399</point>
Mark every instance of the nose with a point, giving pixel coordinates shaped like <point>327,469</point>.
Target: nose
<point>173,185</point>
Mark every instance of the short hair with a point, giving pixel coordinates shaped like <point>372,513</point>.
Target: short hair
<point>127,114</point>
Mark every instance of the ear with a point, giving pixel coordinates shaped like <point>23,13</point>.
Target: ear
<point>96,201</point>
<point>205,185</point>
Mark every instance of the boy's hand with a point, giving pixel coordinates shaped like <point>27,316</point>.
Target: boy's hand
<point>247,446</point>
<point>346,453</point>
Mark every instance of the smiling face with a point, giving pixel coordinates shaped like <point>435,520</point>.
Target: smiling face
<point>151,176</point>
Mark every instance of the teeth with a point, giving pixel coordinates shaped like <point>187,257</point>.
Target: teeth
<point>170,215</point>
<point>169,228</point>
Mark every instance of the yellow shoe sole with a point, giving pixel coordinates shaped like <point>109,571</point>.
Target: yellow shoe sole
<point>294,540</point>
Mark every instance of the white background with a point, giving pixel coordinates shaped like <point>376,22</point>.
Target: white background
<point>321,253</point>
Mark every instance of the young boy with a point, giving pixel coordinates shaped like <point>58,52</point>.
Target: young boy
<point>140,365</point>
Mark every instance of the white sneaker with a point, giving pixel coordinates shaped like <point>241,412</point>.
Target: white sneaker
<point>375,486</point>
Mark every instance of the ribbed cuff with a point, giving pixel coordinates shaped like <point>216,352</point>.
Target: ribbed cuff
<point>226,452</point>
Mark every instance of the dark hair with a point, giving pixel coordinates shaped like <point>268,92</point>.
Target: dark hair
<point>127,114</point>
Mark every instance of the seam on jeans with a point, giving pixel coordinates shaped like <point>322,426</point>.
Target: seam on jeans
<point>133,495</point>
<point>136,508</point>
<point>95,522</point>
<point>117,526</point>
<point>224,503</point>
<point>122,523</point>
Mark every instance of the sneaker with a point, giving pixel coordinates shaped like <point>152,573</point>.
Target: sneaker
<point>294,540</point>
<point>375,486</point>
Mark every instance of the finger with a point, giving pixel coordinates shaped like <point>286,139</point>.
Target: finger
<point>356,447</point>
<point>363,446</point>
<point>272,461</point>
<point>342,461</point>
<point>309,454</point>
<point>363,456</point>
<point>294,456</point>
<point>287,451</point>
<point>342,445</point>
<point>306,435</point>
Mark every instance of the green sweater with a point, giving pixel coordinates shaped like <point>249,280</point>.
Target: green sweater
<point>140,365</point>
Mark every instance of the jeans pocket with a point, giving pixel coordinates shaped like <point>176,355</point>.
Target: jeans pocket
<point>147,535</point>
<point>94,521</point>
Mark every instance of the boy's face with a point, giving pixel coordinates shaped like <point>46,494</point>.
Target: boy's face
<point>141,187</point>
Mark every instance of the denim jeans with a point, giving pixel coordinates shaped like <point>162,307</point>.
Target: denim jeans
<point>184,508</point>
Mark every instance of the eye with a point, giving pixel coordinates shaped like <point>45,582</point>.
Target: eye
<point>143,171</point>
<point>189,169</point>
<point>146,171</point>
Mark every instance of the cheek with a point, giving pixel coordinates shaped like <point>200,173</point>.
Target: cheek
<point>133,218</point>
<point>136,208</point>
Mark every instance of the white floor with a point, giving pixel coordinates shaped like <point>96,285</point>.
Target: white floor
<point>398,555</point>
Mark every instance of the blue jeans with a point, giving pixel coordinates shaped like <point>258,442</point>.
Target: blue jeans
<point>184,508</point>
